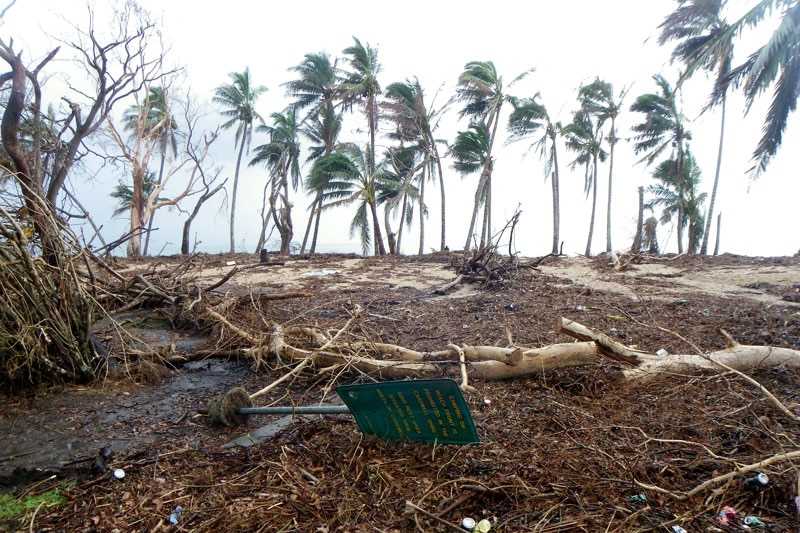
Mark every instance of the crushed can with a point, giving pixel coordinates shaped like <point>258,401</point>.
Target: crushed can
<point>757,482</point>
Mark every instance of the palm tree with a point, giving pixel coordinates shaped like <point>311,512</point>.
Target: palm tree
<point>316,88</point>
<point>471,153</point>
<point>281,155</point>
<point>397,188</point>
<point>238,99</point>
<point>317,82</point>
<point>480,88</point>
<point>482,92</point>
<point>360,85</point>
<point>351,180</point>
<point>664,127</point>
<point>695,24</point>
<point>598,100</point>
<point>329,178</point>
<point>415,123</point>
<point>124,195</point>
<point>774,65</point>
<point>584,136</point>
<point>154,121</point>
<point>530,118</point>
<point>678,196</point>
<point>323,131</point>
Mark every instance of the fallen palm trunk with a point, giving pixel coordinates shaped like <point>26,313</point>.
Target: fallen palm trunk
<point>485,362</point>
<point>736,356</point>
<point>495,363</point>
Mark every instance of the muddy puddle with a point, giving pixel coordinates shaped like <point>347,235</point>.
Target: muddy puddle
<point>66,429</point>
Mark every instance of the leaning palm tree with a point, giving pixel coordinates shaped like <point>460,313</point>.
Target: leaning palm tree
<point>530,118</point>
<point>415,123</point>
<point>322,130</point>
<point>695,24</point>
<point>317,83</point>
<point>316,88</point>
<point>397,192</point>
<point>775,65</point>
<point>154,121</point>
<point>281,156</point>
<point>598,99</point>
<point>360,85</point>
<point>238,99</point>
<point>584,136</point>
<point>678,196</point>
<point>663,128</point>
<point>471,153</point>
<point>482,92</point>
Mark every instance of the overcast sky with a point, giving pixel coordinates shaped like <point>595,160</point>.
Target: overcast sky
<point>568,42</point>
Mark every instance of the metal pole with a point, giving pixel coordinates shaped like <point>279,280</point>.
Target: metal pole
<point>302,410</point>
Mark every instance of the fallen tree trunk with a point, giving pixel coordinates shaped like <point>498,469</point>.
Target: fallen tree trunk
<point>736,356</point>
<point>491,362</point>
<point>741,357</point>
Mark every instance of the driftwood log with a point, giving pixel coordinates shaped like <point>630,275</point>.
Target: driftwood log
<point>318,348</point>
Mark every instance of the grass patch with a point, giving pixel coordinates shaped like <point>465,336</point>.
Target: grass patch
<point>15,507</point>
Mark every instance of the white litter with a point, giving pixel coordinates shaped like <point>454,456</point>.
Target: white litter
<point>321,272</point>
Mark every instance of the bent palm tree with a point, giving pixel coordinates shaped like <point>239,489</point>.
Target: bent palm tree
<point>397,189</point>
<point>528,118</point>
<point>323,131</point>
<point>316,88</point>
<point>351,180</point>
<point>598,100</point>
<point>696,23</point>
<point>584,136</point>
<point>481,90</point>
<point>471,153</point>
<point>774,65</point>
<point>663,127</point>
<point>415,124</point>
<point>238,99</point>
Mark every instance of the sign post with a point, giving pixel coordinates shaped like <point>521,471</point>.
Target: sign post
<point>429,410</point>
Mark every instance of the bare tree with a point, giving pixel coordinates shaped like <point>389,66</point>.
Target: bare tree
<point>42,149</point>
<point>117,58</point>
<point>137,151</point>
<point>208,189</point>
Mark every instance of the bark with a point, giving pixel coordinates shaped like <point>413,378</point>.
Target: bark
<point>421,249</point>
<point>379,248</point>
<point>266,215</point>
<point>556,204</point>
<point>612,141</point>
<point>311,217</point>
<point>740,357</point>
<point>317,218</point>
<point>443,241</point>
<point>712,201</point>
<point>475,208</point>
<point>243,140</point>
<point>44,225</point>
<point>588,251</point>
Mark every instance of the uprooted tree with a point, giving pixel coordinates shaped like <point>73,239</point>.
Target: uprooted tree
<point>46,311</point>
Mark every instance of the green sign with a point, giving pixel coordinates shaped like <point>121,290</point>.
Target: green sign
<point>430,410</point>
